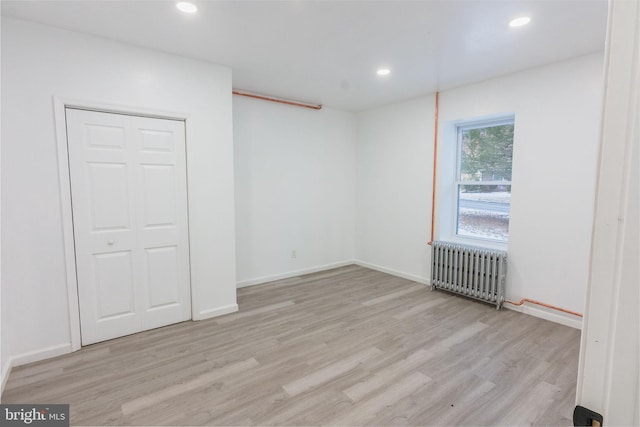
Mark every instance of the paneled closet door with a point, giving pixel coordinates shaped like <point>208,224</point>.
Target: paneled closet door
<point>129,197</point>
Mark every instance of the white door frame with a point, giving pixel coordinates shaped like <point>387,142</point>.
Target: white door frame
<point>59,106</point>
<point>608,361</point>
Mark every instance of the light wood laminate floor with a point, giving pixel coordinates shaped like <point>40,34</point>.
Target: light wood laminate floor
<point>349,346</point>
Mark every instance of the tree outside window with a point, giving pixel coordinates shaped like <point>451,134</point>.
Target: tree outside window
<point>485,154</point>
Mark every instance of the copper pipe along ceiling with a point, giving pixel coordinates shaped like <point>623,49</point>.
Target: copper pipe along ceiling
<point>553,307</point>
<point>435,164</point>
<point>280,101</point>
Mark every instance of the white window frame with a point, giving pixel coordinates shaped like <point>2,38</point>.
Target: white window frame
<point>450,185</point>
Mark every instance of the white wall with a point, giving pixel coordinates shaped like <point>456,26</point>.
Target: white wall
<point>395,168</point>
<point>557,127</point>
<point>295,189</point>
<point>39,63</point>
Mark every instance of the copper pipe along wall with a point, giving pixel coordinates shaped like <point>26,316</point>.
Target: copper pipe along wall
<point>435,164</point>
<point>280,101</point>
<point>553,307</point>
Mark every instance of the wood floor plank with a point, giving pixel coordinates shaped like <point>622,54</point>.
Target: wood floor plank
<point>254,312</point>
<point>393,295</point>
<point>329,372</point>
<point>364,412</point>
<point>528,409</point>
<point>348,346</point>
<point>420,308</point>
<point>387,374</point>
<point>177,389</point>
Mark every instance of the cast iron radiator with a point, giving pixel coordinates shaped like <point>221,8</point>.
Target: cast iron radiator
<point>474,272</point>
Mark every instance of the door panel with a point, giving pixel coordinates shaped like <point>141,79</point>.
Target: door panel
<point>160,195</point>
<point>162,268</point>
<point>103,136</point>
<point>154,140</point>
<point>108,192</point>
<point>162,219</point>
<point>128,191</point>
<point>114,284</point>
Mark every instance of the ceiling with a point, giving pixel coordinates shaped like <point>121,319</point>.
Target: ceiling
<point>327,52</point>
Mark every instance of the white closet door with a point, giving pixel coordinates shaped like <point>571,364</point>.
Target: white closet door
<point>129,197</point>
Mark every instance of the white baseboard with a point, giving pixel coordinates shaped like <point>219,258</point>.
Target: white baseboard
<point>30,357</point>
<point>289,274</point>
<point>567,320</point>
<point>42,354</point>
<point>218,311</point>
<point>6,370</point>
<point>393,272</point>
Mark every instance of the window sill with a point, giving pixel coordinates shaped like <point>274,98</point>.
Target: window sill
<point>477,241</point>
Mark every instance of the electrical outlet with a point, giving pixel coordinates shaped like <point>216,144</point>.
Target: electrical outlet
<point>293,253</point>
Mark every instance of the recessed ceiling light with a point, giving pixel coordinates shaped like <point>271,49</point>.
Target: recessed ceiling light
<point>383,72</point>
<point>187,7</point>
<point>519,22</point>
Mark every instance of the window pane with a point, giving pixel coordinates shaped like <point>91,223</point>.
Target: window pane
<point>483,211</point>
<point>486,153</point>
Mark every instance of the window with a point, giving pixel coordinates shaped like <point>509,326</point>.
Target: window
<point>483,179</point>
